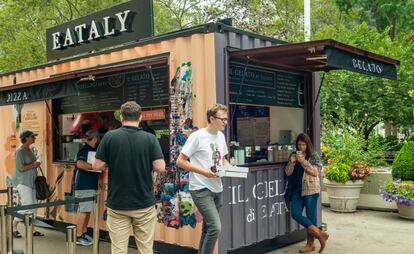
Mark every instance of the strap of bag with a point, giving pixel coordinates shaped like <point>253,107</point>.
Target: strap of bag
<point>41,171</point>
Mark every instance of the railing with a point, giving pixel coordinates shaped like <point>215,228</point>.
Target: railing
<point>8,212</point>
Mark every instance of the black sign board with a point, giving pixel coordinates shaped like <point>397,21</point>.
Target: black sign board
<point>38,93</point>
<point>260,86</point>
<point>148,87</point>
<point>352,62</point>
<point>126,22</point>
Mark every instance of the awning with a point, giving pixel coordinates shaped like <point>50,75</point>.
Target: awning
<point>66,84</point>
<point>323,55</point>
<point>25,94</point>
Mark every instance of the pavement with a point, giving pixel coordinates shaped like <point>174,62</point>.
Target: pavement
<point>362,232</point>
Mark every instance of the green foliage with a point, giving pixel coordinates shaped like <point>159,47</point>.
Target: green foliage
<point>360,102</point>
<point>24,23</point>
<point>394,16</point>
<point>337,172</point>
<point>347,147</point>
<point>403,166</point>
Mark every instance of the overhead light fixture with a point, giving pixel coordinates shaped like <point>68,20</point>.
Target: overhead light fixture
<point>316,58</point>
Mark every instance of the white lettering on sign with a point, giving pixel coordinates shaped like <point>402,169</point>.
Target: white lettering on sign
<point>368,67</point>
<point>84,33</point>
<point>16,97</point>
<point>260,191</point>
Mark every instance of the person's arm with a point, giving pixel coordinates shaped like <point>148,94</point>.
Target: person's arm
<point>83,165</point>
<point>29,166</point>
<point>291,164</point>
<point>158,165</point>
<point>98,165</point>
<point>183,163</point>
<point>310,168</point>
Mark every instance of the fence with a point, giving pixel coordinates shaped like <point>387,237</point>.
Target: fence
<point>7,212</point>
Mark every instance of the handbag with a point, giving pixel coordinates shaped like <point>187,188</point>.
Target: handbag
<point>41,186</point>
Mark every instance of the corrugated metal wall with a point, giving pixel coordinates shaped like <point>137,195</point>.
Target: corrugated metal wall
<point>235,40</point>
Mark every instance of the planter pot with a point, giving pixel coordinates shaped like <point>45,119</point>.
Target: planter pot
<point>406,211</point>
<point>343,197</point>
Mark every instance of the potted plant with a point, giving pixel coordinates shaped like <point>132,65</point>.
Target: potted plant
<point>347,166</point>
<point>401,189</point>
<point>344,183</point>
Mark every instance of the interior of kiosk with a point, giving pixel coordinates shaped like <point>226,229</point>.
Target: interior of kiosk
<point>97,107</point>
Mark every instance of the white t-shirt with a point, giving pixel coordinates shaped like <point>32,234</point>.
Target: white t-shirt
<point>205,150</point>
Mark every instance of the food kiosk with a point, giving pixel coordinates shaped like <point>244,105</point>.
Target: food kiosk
<point>270,86</point>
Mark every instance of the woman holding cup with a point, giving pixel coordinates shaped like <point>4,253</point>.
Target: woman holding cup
<point>303,171</point>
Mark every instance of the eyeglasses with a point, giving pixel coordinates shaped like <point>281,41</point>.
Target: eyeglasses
<point>224,120</point>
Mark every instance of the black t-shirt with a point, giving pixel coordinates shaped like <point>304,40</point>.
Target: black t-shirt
<point>129,153</point>
<point>85,180</point>
<point>296,179</point>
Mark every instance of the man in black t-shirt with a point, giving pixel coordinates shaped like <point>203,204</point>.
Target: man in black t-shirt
<point>86,185</point>
<point>131,155</point>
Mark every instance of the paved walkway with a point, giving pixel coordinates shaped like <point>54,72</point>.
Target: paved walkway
<point>363,232</point>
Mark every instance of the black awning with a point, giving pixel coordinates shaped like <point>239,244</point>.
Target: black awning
<point>66,84</point>
<point>42,92</point>
<point>345,60</point>
<point>323,55</point>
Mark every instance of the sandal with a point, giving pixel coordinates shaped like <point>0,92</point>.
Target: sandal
<point>16,234</point>
<point>37,233</point>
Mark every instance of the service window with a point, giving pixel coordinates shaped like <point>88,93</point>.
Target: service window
<point>266,113</point>
<point>97,107</point>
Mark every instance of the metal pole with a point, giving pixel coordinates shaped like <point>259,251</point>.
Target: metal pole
<point>9,221</point>
<point>10,196</point>
<point>3,241</point>
<point>9,233</point>
<point>96,224</point>
<point>71,239</point>
<point>28,223</point>
<point>307,19</point>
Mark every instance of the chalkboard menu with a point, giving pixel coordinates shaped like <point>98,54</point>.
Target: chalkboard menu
<point>260,86</point>
<point>147,88</point>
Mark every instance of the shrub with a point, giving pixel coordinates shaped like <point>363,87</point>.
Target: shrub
<point>342,172</point>
<point>337,172</point>
<point>403,166</point>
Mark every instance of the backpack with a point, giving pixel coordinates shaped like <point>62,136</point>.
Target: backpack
<point>41,186</point>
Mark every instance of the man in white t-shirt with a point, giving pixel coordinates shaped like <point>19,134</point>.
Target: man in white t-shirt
<point>204,150</point>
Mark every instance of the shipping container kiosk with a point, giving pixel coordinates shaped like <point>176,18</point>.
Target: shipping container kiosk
<point>271,88</point>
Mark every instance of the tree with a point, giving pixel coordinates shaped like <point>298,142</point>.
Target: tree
<point>23,37</point>
<point>394,16</point>
<point>362,102</point>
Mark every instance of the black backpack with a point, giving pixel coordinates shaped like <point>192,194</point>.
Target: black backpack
<point>42,188</point>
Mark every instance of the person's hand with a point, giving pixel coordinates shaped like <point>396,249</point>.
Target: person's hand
<point>36,164</point>
<point>293,157</point>
<point>208,173</point>
<point>300,157</point>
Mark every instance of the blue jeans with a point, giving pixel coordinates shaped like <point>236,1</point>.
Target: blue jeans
<point>208,203</point>
<point>310,203</point>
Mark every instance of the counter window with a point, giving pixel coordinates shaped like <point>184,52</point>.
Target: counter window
<point>97,104</point>
<point>266,112</point>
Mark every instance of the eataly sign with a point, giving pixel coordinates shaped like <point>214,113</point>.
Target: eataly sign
<point>94,30</point>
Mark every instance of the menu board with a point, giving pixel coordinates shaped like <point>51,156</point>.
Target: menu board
<point>148,87</point>
<point>261,86</point>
